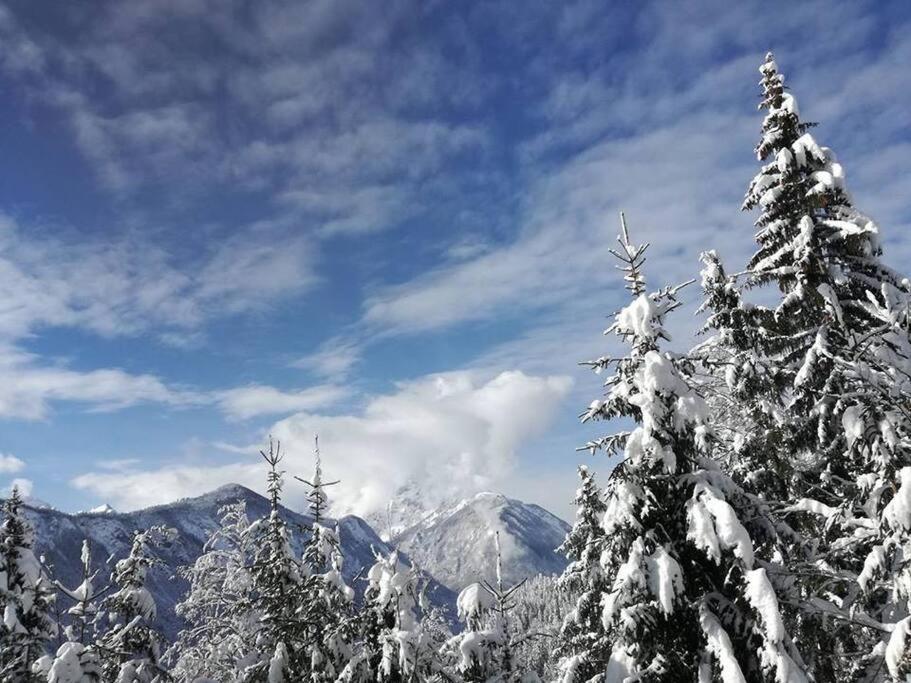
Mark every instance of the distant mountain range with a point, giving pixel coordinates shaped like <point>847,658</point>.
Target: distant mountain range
<point>453,543</point>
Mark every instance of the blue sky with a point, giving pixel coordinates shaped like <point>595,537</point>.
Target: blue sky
<point>386,222</point>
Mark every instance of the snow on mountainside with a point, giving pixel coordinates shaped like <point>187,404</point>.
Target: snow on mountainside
<point>59,538</point>
<point>455,543</point>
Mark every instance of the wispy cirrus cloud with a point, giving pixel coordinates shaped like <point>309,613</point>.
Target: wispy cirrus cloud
<point>334,358</point>
<point>333,110</point>
<point>29,387</point>
<point>126,286</point>
<point>669,141</point>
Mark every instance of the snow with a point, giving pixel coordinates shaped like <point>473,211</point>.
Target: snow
<point>852,421</point>
<point>630,577</point>
<point>898,512</point>
<point>66,667</point>
<point>641,318</point>
<point>278,663</point>
<point>805,148</point>
<point>665,580</point>
<point>719,644</point>
<point>875,560</point>
<point>625,500</point>
<point>896,649</point>
<point>813,506</point>
<point>762,598</point>
<point>621,667</point>
<point>474,601</point>
<point>713,525</point>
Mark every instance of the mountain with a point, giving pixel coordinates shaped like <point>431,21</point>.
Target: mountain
<point>455,543</point>
<point>59,538</point>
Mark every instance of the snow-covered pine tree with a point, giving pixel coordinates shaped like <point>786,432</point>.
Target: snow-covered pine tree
<point>583,644</point>
<point>327,606</point>
<point>130,649</point>
<point>278,589</point>
<point>77,660</point>
<point>817,385</point>
<point>26,596</point>
<point>823,255</point>
<point>218,610</point>
<point>486,648</point>
<point>688,594</point>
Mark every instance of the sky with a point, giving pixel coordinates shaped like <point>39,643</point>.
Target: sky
<point>385,223</point>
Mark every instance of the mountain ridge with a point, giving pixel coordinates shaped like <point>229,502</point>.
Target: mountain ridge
<point>59,536</point>
<point>458,533</point>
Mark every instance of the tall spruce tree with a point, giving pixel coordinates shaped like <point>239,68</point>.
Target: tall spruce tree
<point>26,596</point>
<point>687,591</point>
<point>327,607</point>
<point>816,387</point>
<point>278,588</point>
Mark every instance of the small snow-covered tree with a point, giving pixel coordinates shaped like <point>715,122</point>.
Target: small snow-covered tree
<point>218,609</point>
<point>26,596</point>
<point>395,644</point>
<point>130,649</point>
<point>687,590</point>
<point>77,660</point>
<point>486,648</point>
<point>583,644</point>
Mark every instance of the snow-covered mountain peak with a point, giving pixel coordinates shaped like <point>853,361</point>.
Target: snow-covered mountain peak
<point>103,509</point>
<point>456,541</point>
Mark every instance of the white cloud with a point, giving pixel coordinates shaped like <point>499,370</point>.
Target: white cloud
<point>561,259</point>
<point>678,168</point>
<point>453,433</point>
<point>138,489</point>
<point>27,389</point>
<point>254,400</point>
<point>10,464</point>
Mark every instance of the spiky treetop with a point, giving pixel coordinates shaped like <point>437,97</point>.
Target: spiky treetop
<point>317,499</point>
